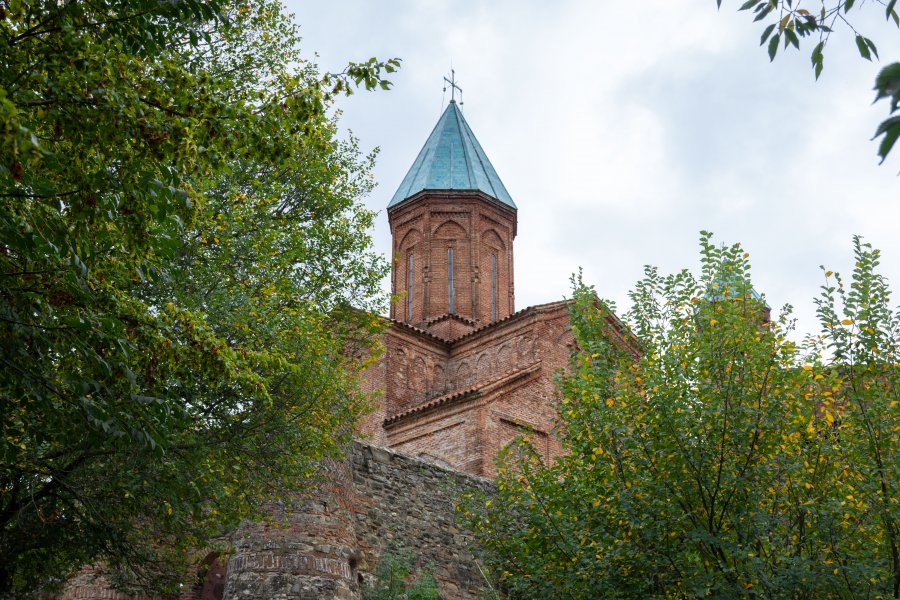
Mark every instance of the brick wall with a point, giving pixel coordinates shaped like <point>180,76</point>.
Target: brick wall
<point>495,382</point>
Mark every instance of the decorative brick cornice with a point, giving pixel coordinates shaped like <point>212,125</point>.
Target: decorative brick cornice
<point>451,195</point>
<point>475,391</point>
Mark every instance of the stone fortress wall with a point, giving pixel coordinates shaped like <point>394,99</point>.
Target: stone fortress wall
<point>375,501</point>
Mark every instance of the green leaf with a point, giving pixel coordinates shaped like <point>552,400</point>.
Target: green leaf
<point>791,37</point>
<point>763,10</point>
<point>817,58</point>
<point>888,143</point>
<point>773,47</point>
<point>766,33</point>
<point>863,47</point>
<point>872,47</point>
<point>885,125</point>
<point>887,84</point>
<point>891,131</point>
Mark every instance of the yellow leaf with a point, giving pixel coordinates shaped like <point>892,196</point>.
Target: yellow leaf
<point>846,322</point>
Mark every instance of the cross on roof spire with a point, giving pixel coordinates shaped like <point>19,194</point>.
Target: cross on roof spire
<point>453,86</point>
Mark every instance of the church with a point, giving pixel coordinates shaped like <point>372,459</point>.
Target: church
<point>464,372</point>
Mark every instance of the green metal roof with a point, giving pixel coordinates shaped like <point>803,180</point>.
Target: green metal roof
<point>452,159</point>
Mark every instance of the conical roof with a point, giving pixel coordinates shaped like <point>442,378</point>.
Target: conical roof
<point>452,159</point>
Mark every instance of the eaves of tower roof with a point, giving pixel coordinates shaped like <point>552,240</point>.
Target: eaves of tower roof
<point>418,331</point>
<point>516,316</point>
<point>484,329</point>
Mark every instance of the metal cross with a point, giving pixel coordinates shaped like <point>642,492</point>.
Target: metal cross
<point>453,86</point>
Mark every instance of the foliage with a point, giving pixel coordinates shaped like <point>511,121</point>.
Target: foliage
<point>888,86</point>
<point>395,579</point>
<point>182,262</point>
<point>787,22</point>
<point>725,461</point>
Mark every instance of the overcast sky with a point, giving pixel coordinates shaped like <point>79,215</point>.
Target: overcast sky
<point>622,129</point>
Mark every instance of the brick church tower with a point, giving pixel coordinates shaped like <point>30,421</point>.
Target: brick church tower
<point>464,373</point>
<point>453,225</point>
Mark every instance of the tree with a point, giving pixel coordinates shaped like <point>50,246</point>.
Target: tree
<point>397,579</point>
<point>787,22</point>
<point>185,278</point>
<point>725,462</point>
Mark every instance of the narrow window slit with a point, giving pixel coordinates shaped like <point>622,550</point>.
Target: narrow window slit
<point>493,287</point>
<point>450,280</point>
<point>409,287</point>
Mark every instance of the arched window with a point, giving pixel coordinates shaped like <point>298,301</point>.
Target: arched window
<point>410,246</point>
<point>494,269</point>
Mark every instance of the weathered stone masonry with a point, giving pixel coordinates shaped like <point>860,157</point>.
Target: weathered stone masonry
<point>329,544</point>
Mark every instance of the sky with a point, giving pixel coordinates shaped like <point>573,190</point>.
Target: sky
<point>623,129</point>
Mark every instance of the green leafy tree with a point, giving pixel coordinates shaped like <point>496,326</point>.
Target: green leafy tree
<point>726,461</point>
<point>397,579</point>
<point>185,278</point>
<point>790,22</point>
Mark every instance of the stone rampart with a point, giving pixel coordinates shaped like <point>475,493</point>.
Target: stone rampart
<point>328,545</point>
